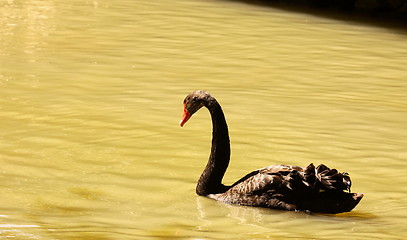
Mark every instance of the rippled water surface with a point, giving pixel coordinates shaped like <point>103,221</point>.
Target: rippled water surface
<point>91,95</point>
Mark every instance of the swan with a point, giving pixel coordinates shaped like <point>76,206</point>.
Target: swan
<point>285,187</point>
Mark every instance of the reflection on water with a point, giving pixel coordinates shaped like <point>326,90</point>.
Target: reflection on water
<point>91,96</point>
<point>24,27</point>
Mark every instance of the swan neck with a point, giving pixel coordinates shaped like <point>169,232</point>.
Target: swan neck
<point>211,179</point>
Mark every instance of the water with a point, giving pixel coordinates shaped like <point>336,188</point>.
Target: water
<point>91,97</point>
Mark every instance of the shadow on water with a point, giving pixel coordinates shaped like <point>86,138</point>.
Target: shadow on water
<point>256,215</point>
<point>340,10</point>
<point>354,214</point>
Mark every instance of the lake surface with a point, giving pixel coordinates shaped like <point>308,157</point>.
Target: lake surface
<point>91,96</point>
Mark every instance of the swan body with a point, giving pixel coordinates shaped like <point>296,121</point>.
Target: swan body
<point>315,189</point>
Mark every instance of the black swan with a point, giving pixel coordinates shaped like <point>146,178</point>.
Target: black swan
<point>314,189</point>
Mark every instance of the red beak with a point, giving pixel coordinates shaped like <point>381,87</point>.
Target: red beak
<point>185,117</point>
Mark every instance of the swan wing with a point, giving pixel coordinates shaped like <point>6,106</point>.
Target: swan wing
<point>288,187</point>
<point>264,180</point>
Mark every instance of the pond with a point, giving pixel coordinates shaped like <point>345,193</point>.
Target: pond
<point>91,98</point>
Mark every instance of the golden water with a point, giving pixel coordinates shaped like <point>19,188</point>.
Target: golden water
<point>91,95</point>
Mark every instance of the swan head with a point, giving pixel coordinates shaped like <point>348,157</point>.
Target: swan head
<point>193,102</point>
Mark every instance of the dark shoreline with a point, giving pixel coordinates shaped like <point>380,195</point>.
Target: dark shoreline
<point>391,14</point>
<point>372,6</point>
<point>368,6</point>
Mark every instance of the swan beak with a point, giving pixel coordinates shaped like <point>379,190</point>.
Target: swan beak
<point>185,117</point>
